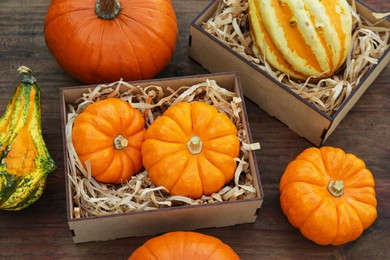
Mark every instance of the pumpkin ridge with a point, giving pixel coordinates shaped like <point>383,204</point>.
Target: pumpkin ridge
<point>135,53</point>
<point>180,127</point>
<point>340,172</point>
<point>96,175</point>
<point>151,252</point>
<point>357,211</point>
<point>216,249</point>
<point>354,175</point>
<point>171,154</point>
<point>358,186</point>
<point>120,119</point>
<point>195,127</point>
<point>209,148</point>
<point>200,171</point>
<point>106,146</point>
<point>149,32</point>
<point>64,13</point>
<point>124,175</point>
<point>73,38</point>
<point>350,235</point>
<point>130,158</point>
<point>352,196</point>
<point>288,181</point>
<point>216,166</point>
<point>208,126</point>
<point>329,177</point>
<point>323,174</point>
<point>99,130</point>
<point>96,152</point>
<point>154,32</point>
<point>154,6</point>
<point>314,210</point>
<point>181,174</point>
<point>309,193</point>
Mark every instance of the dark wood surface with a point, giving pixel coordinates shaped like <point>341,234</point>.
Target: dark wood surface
<point>41,231</point>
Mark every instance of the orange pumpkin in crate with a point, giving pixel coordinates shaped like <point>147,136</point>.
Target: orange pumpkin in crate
<point>190,150</point>
<point>302,38</point>
<point>109,134</point>
<point>102,41</point>
<point>329,195</point>
<point>184,245</point>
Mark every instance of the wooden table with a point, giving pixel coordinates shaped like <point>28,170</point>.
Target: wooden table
<point>41,231</point>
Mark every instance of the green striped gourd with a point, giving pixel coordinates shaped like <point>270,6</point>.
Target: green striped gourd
<point>24,159</point>
<point>302,38</point>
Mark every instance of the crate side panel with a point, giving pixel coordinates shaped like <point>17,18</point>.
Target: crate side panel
<point>161,221</point>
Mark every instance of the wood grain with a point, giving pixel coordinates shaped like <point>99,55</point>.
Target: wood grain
<point>41,231</point>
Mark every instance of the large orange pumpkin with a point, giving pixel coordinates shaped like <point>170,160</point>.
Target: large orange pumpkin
<point>302,38</point>
<point>109,134</point>
<point>184,245</point>
<point>329,195</point>
<point>190,149</point>
<point>100,41</point>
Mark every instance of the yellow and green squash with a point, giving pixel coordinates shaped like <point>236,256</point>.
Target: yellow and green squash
<point>24,159</point>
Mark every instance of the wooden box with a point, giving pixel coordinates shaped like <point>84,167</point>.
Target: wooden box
<point>270,95</point>
<point>141,223</point>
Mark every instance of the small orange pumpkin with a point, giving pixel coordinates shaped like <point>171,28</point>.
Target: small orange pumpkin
<point>190,149</point>
<point>100,41</point>
<point>329,195</point>
<point>184,245</point>
<point>109,133</point>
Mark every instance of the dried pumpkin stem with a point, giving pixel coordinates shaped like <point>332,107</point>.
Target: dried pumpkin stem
<point>120,142</point>
<point>336,188</point>
<point>194,145</point>
<point>27,75</point>
<point>107,9</point>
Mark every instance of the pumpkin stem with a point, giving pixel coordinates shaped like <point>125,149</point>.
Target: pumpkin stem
<point>194,145</point>
<point>27,75</point>
<point>107,9</point>
<point>120,142</point>
<point>336,188</point>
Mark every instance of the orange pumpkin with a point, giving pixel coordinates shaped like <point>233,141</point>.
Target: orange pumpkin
<point>184,245</point>
<point>329,195</point>
<point>190,149</point>
<point>109,134</point>
<point>104,40</point>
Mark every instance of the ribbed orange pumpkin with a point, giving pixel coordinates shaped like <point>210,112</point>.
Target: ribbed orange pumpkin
<point>190,150</point>
<point>329,195</point>
<point>302,38</point>
<point>100,41</point>
<point>109,133</point>
<point>184,245</point>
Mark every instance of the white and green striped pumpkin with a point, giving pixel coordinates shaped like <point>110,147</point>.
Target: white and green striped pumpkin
<point>302,38</point>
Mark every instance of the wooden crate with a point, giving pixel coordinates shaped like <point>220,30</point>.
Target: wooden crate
<point>220,214</point>
<point>275,98</point>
